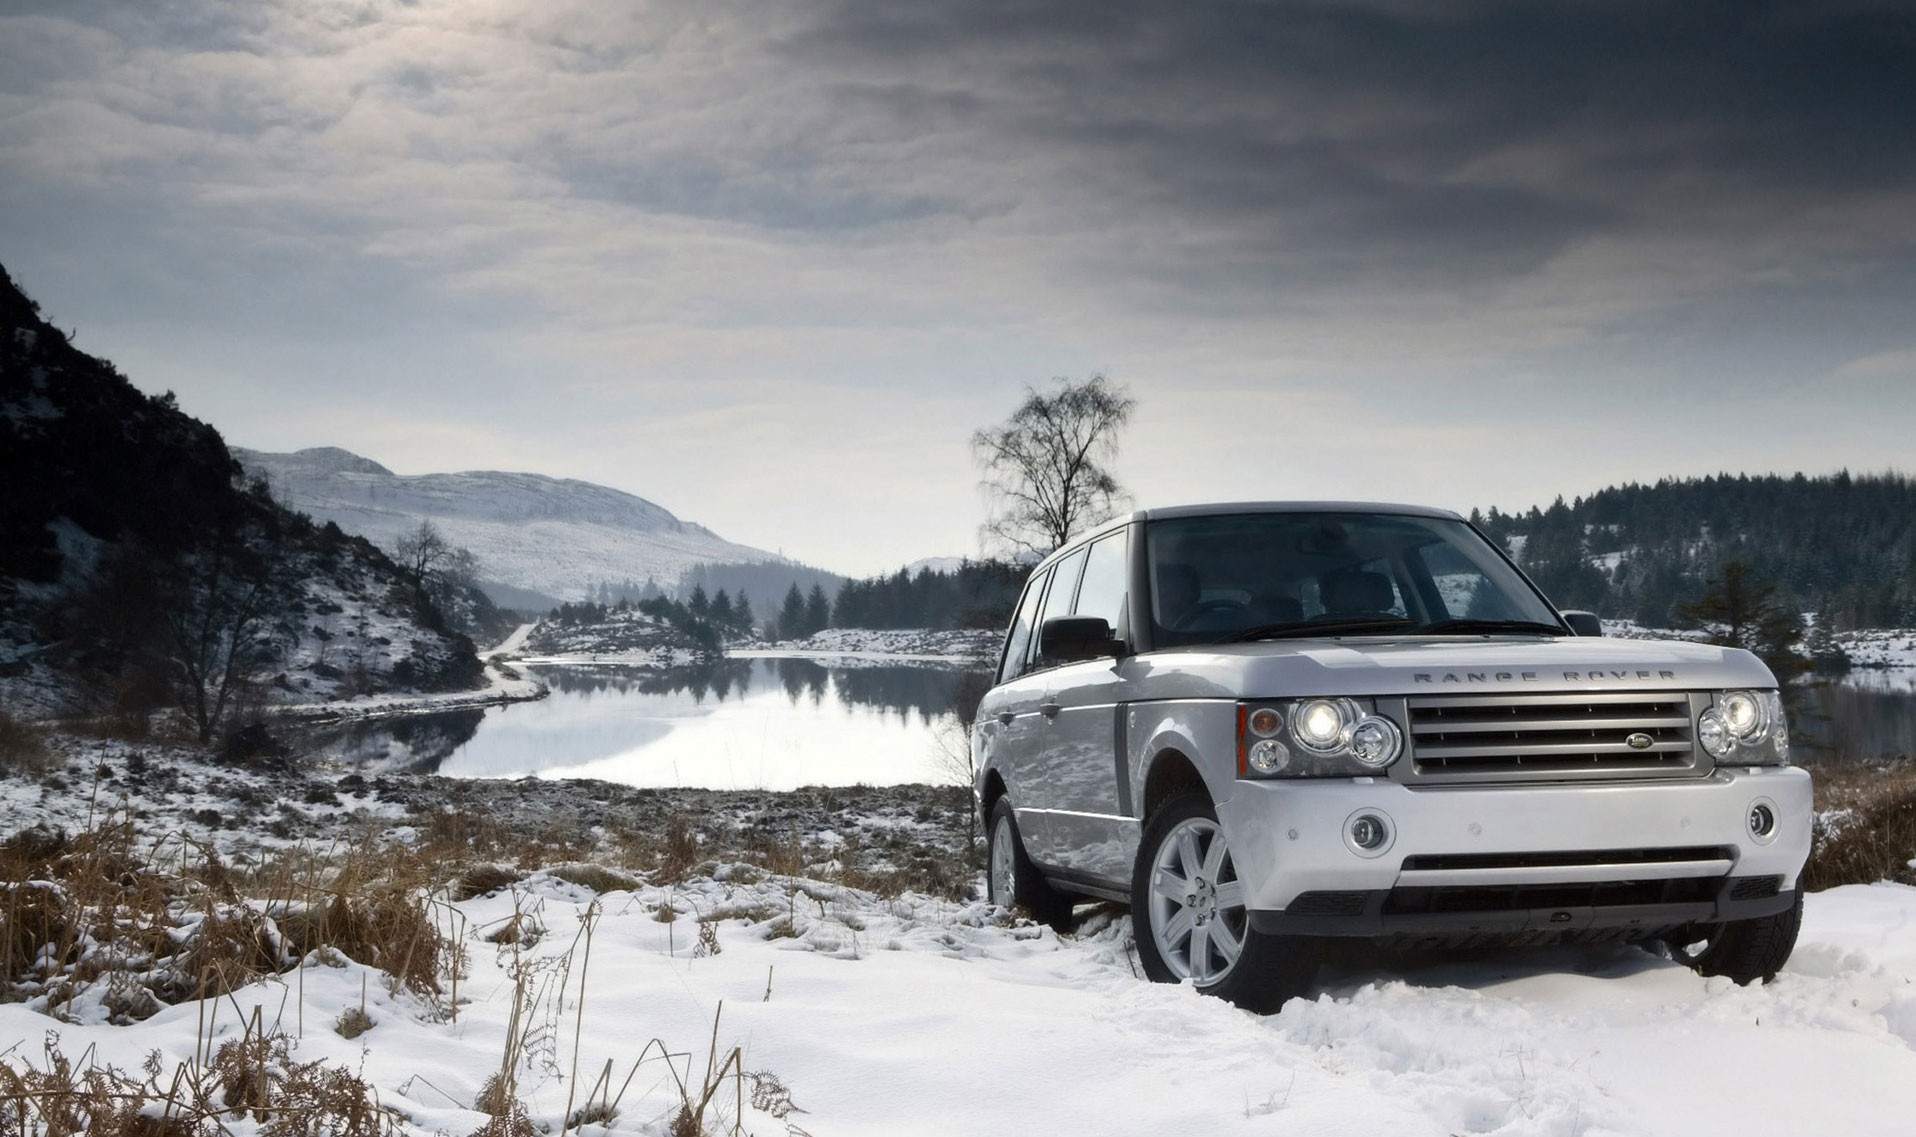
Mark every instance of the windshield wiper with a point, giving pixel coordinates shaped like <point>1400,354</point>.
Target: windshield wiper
<point>1467,627</point>
<point>1295,629</point>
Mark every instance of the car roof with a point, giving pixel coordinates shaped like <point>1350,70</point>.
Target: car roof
<point>1229,507</point>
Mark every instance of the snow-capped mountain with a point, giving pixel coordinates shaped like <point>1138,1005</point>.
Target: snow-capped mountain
<point>558,537</point>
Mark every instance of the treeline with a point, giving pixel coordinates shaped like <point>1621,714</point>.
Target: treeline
<point>978,594</point>
<point>708,621</point>
<point>1841,545</point>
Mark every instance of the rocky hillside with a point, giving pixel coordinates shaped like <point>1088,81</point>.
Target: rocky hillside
<point>142,572</point>
<point>557,537</point>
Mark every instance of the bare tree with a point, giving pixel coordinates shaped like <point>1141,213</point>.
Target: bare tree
<point>1045,468</point>
<point>420,551</point>
<point>218,616</point>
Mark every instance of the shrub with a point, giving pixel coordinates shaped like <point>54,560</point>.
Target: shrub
<point>23,747</point>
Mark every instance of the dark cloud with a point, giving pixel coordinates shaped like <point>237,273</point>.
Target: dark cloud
<point>1468,141</point>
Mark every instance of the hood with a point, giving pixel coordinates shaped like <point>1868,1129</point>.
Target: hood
<point>1376,665</point>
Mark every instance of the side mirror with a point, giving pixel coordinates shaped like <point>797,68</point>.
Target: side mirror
<point>1072,638</point>
<point>1583,623</point>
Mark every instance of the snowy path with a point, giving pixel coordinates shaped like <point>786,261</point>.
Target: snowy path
<point>922,1017</point>
<point>511,643</point>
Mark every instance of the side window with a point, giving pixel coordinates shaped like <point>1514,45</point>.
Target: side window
<point>1018,640</point>
<point>1064,586</point>
<point>1102,593</point>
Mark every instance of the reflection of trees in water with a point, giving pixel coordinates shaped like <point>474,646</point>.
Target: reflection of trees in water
<point>716,678</point>
<point>802,677</point>
<point>1846,721</point>
<point>409,744</point>
<point>925,692</point>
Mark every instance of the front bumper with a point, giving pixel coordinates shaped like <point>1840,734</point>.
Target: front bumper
<point>1526,860</point>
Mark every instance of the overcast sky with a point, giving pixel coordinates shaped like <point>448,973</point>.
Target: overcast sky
<point>770,264</point>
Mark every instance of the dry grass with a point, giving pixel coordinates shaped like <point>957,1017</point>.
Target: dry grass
<point>23,747</point>
<point>252,1080</point>
<point>596,877</point>
<point>162,920</point>
<point>1866,830</point>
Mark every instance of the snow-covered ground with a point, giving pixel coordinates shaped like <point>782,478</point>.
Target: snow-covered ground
<point>858,1015</point>
<point>901,643</point>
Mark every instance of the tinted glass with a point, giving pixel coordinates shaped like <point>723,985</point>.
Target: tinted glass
<point>1018,641</point>
<point>1064,586</point>
<point>1102,592</point>
<point>1216,577</point>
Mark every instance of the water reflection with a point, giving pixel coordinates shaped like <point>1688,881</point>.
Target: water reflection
<point>1867,715</point>
<point>729,723</point>
<point>413,744</point>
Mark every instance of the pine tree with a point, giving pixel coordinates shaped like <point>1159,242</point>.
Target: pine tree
<point>791,615</point>
<point>700,604</point>
<point>818,610</point>
<point>1745,612</point>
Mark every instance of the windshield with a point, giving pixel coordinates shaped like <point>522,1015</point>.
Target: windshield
<point>1256,575</point>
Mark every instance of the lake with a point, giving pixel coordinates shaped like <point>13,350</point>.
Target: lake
<point>782,723</point>
<point>728,724</point>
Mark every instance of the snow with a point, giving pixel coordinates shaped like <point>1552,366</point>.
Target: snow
<point>512,522</point>
<point>895,643</point>
<point>921,1016</point>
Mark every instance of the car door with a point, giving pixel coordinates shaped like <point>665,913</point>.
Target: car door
<point>1009,722</point>
<point>1035,790</point>
<point>1088,828</point>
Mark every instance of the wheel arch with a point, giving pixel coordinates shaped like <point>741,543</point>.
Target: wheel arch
<point>1170,773</point>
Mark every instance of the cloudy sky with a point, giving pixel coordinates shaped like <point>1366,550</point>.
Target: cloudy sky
<point>770,264</point>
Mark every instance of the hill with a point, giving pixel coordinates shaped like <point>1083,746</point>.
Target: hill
<point>1838,544</point>
<point>539,540</point>
<point>141,570</point>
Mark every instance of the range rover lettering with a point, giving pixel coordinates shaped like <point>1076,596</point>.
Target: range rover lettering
<point>1266,726</point>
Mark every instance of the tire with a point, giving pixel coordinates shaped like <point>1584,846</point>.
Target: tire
<point>1743,950</point>
<point>1185,892</point>
<point>1012,881</point>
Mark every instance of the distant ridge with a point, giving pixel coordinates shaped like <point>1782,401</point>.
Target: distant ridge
<point>554,538</point>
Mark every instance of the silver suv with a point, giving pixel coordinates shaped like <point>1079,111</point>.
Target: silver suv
<point>1264,726</point>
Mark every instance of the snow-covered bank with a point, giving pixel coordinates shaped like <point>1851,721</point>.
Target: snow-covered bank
<point>503,685</point>
<point>965,644</point>
<point>855,1014</point>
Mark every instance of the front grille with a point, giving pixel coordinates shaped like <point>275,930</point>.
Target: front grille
<point>1424,862</point>
<point>1562,737</point>
<point>1756,888</point>
<point>1323,903</point>
<point>1525,897</point>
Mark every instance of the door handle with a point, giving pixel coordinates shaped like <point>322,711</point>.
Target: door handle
<point>1006,717</point>
<point>1049,710</point>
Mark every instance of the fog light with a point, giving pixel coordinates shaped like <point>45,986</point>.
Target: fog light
<point>1368,833</point>
<point>1267,756</point>
<point>1762,821</point>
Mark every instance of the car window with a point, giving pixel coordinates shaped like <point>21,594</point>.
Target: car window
<point>1462,585</point>
<point>1057,600</point>
<point>1219,576</point>
<point>1018,640</point>
<point>1367,588</point>
<point>1101,593</point>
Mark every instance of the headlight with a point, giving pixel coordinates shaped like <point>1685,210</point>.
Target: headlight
<point>1746,728</point>
<point>1314,738</point>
